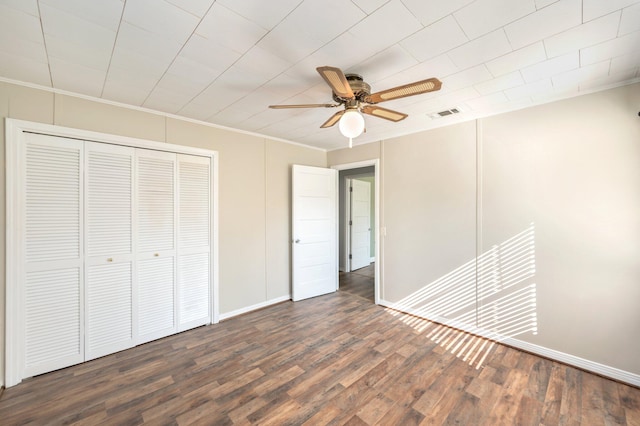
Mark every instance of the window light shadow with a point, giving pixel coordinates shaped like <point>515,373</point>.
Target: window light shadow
<point>493,295</point>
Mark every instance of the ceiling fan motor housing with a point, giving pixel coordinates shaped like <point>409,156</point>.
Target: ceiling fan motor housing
<point>358,86</point>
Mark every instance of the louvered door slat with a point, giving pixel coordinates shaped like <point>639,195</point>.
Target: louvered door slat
<point>194,182</point>
<point>156,192</point>
<point>53,280</point>
<point>52,201</point>
<point>156,208</point>
<point>109,300</point>
<point>155,298</point>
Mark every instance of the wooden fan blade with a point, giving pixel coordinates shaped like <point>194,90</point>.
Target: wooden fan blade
<point>387,114</point>
<point>332,120</point>
<point>336,79</point>
<point>417,88</point>
<point>304,106</point>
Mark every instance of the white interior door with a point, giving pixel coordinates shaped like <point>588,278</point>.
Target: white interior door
<point>53,269</point>
<point>156,257</point>
<point>109,291</point>
<point>315,231</point>
<point>360,224</point>
<point>194,234</point>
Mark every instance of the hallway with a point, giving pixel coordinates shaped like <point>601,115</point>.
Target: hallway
<point>359,282</point>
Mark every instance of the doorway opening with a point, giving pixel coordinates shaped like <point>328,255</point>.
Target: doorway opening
<point>358,218</point>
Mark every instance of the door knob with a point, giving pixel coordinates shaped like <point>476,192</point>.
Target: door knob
<point>297,241</point>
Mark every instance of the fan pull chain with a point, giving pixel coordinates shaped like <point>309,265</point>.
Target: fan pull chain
<point>350,142</point>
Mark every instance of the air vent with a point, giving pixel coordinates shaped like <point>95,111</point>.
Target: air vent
<point>445,113</point>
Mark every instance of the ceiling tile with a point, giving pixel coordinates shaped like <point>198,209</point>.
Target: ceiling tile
<point>345,52</point>
<point>195,7</point>
<point>624,63</point>
<point>480,50</point>
<point>209,53</point>
<point>530,89</point>
<point>546,22</point>
<point>21,68</point>
<point>133,39</point>
<point>267,14</point>
<point>390,61</point>
<point>298,36</point>
<point>76,78</point>
<point>467,78</point>
<point>430,11</point>
<point>17,24</point>
<point>29,7</point>
<point>191,73</point>
<point>121,87</point>
<point>551,67</point>
<point>506,81</point>
<point>484,16</point>
<point>22,47</point>
<point>593,32</point>
<point>543,3</point>
<point>608,81</point>
<point>630,21</point>
<point>437,38</point>
<point>166,100</point>
<point>63,27</point>
<point>581,75</point>
<point>270,64</point>
<point>229,29</point>
<point>104,13</point>
<point>375,30</point>
<point>515,60</point>
<point>595,8</point>
<point>617,47</point>
<point>79,53</point>
<point>160,18</point>
<point>487,101</point>
<point>370,6</point>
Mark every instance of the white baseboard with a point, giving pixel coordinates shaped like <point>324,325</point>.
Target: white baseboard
<point>372,260</point>
<point>584,364</point>
<point>257,306</point>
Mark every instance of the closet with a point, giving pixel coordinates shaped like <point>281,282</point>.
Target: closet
<point>113,248</point>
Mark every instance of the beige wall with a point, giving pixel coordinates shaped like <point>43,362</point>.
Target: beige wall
<point>254,187</point>
<point>568,174</point>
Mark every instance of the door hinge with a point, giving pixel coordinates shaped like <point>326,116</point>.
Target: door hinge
<point>350,222</point>
<point>351,189</point>
<point>350,257</point>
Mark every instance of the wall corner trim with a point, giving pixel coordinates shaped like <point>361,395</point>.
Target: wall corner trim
<point>572,360</point>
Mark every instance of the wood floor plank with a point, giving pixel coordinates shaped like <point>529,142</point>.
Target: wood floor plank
<point>336,359</point>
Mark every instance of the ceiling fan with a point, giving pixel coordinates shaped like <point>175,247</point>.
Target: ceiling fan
<point>355,94</point>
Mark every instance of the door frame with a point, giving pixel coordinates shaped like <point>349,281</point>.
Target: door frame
<point>379,252</point>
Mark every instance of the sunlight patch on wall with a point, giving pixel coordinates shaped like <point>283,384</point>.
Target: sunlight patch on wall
<point>493,295</point>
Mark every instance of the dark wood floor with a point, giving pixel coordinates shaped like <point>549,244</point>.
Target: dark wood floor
<point>336,359</point>
<point>359,282</point>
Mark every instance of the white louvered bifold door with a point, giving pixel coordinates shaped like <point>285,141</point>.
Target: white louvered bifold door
<point>194,185</point>
<point>156,250</point>
<point>109,248</point>
<point>52,291</point>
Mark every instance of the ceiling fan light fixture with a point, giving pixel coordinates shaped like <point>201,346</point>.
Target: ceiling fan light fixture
<point>351,125</point>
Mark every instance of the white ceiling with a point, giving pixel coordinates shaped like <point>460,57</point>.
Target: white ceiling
<point>225,61</point>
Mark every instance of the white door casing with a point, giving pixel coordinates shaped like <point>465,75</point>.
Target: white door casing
<point>314,231</point>
<point>360,224</point>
